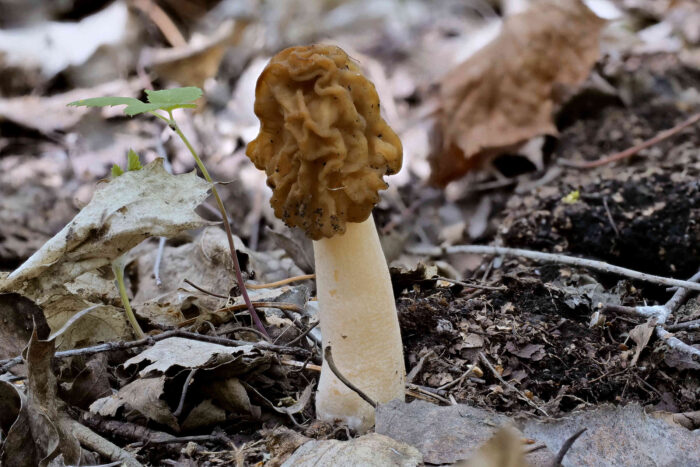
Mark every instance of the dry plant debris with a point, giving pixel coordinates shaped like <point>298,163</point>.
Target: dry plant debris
<point>489,341</point>
<point>508,92</point>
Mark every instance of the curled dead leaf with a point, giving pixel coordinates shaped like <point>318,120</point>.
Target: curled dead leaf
<point>507,92</point>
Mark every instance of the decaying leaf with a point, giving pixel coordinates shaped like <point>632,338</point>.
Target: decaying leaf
<point>204,414</point>
<point>442,434</point>
<point>229,394</point>
<point>368,450</point>
<point>641,335</point>
<point>17,449</point>
<point>142,395</point>
<point>122,213</point>
<point>177,353</point>
<point>618,436</point>
<point>49,425</point>
<point>19,317</point>
<point>507,92</point>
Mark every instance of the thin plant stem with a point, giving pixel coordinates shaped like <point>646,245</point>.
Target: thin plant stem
<point>229,235</point>
<point>118,269</point>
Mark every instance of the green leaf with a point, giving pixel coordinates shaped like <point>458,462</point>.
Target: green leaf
<point>175,97</point>
<point>117,171</point>
<point>133,105</point>
<point>133,163</point>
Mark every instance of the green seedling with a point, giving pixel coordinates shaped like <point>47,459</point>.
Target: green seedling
<point>161,105</point>
<point>119,264</point>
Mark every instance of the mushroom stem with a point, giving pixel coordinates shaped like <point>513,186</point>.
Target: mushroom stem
<point>359,322</point>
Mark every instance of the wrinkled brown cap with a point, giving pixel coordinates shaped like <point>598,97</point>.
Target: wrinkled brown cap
<point>322,141</point>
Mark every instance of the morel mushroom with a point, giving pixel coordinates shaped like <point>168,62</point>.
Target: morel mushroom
<point>325,148</point>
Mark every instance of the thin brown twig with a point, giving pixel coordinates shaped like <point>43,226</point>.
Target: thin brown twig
<point>471,285</point>
<point>328,357</point>
<point>203,290</point>
<point>665,134</point>
<point>161,19</point>
<point>566,446</point>
<point>182,439</point>
<point>522,396</point>
<point>281,282</point>
<point>185,387</point>
<point>303,334</point>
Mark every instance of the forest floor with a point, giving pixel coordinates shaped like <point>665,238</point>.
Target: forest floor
<point>526,340</point>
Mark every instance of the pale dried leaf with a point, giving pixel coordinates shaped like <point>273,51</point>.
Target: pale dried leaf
<point>368,450</point>
<point>142,395</point>
<point>178,352</point>
<point>506,93</point>
<point>54,46</point>
<point>442,434</point>
<point>641,335</point>
<point>122,213</point>
<point>618,436</point>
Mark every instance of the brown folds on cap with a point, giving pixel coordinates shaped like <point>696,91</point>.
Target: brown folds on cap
<point>322,143</point>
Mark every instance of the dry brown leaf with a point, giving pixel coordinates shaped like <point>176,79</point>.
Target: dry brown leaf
<point>641,335</point>
<point>49,425</point>
<point>507,92</point>
<point>504,449</point>
<point>144,396</point>
<point>368,450</point>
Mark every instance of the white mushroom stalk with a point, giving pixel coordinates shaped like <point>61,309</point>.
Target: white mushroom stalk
<point>359,323</point>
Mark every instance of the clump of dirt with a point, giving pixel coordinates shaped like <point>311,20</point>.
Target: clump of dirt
<point>647,222</point>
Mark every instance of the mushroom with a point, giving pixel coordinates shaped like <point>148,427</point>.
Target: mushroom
<point>325,148</point>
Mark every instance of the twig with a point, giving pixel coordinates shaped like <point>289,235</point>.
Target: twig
<point>72,321</point>
<point>97,443</point>
<point>303,334</point>
<point>557,258</point>
<point>161,19</point>
<point>185,386</point>
<point>419,367</point>
<point>281,282</point>
<point>280,305</point>
<point>208,292</point>
<point>328,357</point>
<point>422,390</point>
<point>464,375</point>
<point>181,439</point>
<point>661,313</point>
<point>610,217</point>
<point>150,340</point>
<point>675,343</point>
<point>692,324</point>
<point>634,149</point>
<point>566,446</point>
<point>471,285</point>
<point>522,396</point>
<point>159,258</point>
<point>241,328</point>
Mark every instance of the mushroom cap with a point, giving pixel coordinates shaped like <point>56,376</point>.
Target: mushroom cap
<point>322,143</point>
